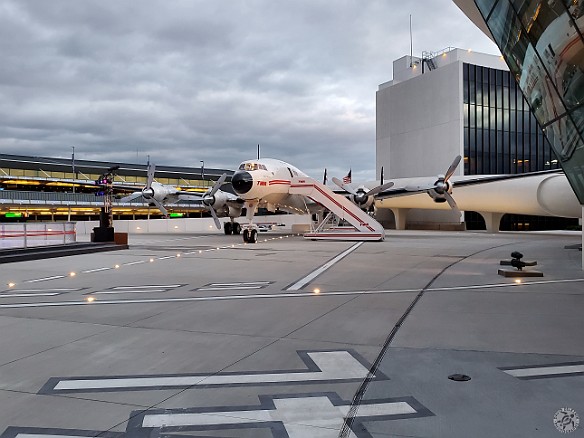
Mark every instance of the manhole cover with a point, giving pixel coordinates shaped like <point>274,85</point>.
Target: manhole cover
<point>459,377</point>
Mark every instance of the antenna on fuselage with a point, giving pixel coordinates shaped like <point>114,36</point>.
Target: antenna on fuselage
<point>258,151</point>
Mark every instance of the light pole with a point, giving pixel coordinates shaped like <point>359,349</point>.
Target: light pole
<point>202,170</point>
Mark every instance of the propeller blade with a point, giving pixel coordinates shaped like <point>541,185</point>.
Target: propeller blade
<point>159,205</point>
<point>381,177</point>
<point>344,187</point>
<point>215,218</point>
<point>324,178</point>
<point>217,185</point>
<point>451,201</point>
<point>151,171</point>
<point>131,197</point>
<point>452,168</point>
<point>381,188</point>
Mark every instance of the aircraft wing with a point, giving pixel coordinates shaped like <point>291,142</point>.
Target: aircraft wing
<point>412,186</point>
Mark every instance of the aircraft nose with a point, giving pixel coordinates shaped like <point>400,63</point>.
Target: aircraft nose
<point>242,182</point>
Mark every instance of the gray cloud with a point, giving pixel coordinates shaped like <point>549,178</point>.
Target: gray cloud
<point>185,81</point>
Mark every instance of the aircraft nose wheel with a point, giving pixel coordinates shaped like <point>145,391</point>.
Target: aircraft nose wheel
<point>250,236</point>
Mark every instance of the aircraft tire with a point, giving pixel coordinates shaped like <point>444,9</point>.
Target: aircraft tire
<point>246,236</point>
<point>236,228</point>
<point>227,228</point>
<point>253,236</point>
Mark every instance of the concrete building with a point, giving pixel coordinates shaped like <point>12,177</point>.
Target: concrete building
<point>458,102</point>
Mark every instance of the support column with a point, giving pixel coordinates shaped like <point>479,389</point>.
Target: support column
<point>492,221</point>
<point>400,215</point>
<point>582,222</point>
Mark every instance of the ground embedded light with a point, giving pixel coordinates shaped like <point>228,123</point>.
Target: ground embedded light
<point>117,266</point>
<point>72,274</point>
<point>518,280</point>
<point>316,291</point>
<point>90,299</point>
<point>11,284</point>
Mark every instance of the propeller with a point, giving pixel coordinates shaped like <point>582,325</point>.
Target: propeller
<point>209,199</point>
<point>441,190</point>
<point>361,196</point>
<point>148,192</point>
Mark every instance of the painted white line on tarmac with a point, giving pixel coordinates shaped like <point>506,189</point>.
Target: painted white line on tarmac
<point>54,277</point>
<point>304,281</point>
<point>189,299</point>
<point>254,296</point>
<point>48,290</point>
<point>49,435</point>
<point>22,295</point>
<point>89,271</point>
<point>314,416</point>
<point>159,286</point>
<point>230,288</point>
<point>250,283</point>
<point>332,366</point>
<point>550,371</point>
<point>129,291</point>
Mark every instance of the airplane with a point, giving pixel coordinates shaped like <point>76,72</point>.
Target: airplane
<point>279,186</point>
<point>218,202</point>
<point>543,193</point>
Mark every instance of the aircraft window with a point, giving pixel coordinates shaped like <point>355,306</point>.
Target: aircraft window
<point>263,167</point>
<point>249,166</point>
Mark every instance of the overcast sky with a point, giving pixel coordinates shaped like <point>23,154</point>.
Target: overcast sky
<point>190,80</point>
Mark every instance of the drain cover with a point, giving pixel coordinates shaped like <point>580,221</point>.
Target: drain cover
<point>459,377</point>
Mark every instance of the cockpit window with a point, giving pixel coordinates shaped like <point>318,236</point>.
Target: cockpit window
<point>251,166</point>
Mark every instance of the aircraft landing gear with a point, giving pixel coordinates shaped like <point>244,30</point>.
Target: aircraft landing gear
<point>232,228</point>
<point>250,235</point>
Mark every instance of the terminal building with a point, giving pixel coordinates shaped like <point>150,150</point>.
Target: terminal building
<point>55,189</point>
<point>542,43</point>
<point>459,102</point>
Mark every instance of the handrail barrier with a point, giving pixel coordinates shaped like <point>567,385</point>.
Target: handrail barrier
<point>28,235</point>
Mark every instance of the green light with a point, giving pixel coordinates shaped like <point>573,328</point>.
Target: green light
<point>13,214</point>
<point>176,214</point>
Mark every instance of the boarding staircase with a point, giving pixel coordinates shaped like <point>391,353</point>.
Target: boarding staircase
<point>362,226</point>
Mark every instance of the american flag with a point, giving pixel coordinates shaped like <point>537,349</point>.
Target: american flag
<point>347,179</point>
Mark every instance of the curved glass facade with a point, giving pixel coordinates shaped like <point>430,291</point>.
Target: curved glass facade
<point>543,45</point>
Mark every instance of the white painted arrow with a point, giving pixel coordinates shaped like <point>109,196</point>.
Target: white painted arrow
<point>315,417</point>
<point>329,366</point>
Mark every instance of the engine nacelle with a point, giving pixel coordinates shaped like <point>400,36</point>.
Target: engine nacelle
<point>437,193</point>
<point>363,201</point>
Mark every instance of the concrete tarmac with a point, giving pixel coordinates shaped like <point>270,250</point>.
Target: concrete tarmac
<point>193,335</point>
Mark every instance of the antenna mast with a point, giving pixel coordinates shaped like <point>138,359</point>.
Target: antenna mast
<point>411,43</point>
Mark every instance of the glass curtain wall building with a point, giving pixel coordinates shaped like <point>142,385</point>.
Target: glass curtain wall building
<point>501,135</point>
<point>543,45</point>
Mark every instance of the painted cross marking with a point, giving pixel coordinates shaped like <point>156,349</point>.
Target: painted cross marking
<point>322,366</point>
